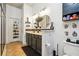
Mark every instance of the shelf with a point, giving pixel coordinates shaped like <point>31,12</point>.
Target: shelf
<point>37,29</point>
<point>15,31</point>
<point>70,20</point>
<point>15,35</point>
<point>73,44</point>
<point>72,13</point>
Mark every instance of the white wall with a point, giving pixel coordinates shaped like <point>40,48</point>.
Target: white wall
<point>0,25</point>
<point>13,12</point>
<point>51,37</point>
<point>0,30</point>
<point>56,13</point>
<point>27,12</point>
<point>57,36</point>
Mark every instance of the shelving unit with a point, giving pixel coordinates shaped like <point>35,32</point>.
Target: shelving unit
<point>15,30</point>
<point>71,21</point>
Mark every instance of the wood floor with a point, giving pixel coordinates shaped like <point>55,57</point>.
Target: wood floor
<point>14,49</point>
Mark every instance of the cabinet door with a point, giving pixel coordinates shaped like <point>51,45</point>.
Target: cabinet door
<point>33,41</point>
<point>27,39</point>
<point>30,39</point>
<point>39,44</point>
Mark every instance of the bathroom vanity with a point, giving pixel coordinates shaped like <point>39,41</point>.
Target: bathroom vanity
<point>34,41</point>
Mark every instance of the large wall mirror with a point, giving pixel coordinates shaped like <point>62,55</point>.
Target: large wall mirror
<point>43,21</point>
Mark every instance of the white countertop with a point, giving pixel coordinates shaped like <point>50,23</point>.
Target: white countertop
<point>40,33</point>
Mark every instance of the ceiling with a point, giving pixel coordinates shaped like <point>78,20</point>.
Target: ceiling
<point>19,5</point>
<point>31,4</point>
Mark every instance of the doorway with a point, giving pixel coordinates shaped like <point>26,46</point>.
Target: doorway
<point>2,28</point>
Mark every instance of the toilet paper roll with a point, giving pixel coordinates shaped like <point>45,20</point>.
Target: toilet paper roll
<point>47,45</point>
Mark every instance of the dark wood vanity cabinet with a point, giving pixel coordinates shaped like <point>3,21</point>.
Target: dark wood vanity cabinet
<point>34,41</point>
<point>39,44</point>
<point>27,39</point>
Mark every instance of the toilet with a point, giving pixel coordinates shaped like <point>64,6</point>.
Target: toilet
<point>71,49</point>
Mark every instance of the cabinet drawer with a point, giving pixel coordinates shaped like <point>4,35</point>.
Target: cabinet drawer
<point>39,44</point>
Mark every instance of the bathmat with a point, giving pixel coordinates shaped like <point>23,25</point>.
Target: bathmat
<point>30,51</point>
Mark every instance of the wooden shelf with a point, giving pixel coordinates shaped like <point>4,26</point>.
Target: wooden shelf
<point>37,29</point>
<point>70,20</point>
<point>72,13</point>
<point>15,31</point>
